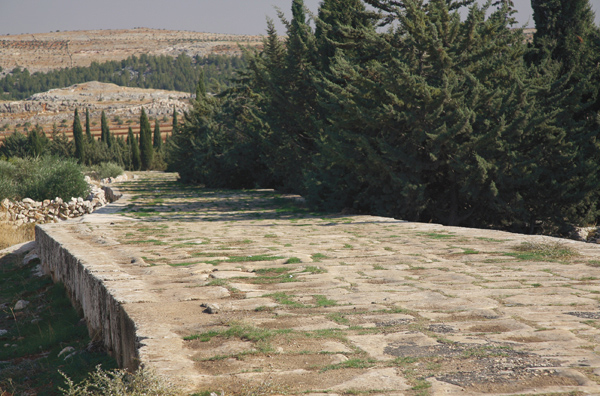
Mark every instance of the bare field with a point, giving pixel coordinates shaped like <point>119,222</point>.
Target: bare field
<point>56,50</point>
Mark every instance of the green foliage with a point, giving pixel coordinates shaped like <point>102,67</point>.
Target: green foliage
<point>440,118</point>
<point>88,130</point>
<point>105,130</point>
<point>136,161</point>
<point>146,149</point>
<point>120,382</point>
<point>78,139</point>
<point>42,178</point>
<point>157,141</point>
<point>104,170</point>
<point>146,71</point>
<point>15,145</point>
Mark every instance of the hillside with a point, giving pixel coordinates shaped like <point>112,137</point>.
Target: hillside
<point>121,104</point>
<point>56,50</point>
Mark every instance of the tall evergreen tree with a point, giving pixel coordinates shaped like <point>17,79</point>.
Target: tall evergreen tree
<point>78,139</point>
<point>146,150</point>
<point>134,151</point>
<point>565,31</point>
<point>157,143</point>
<point>175,122</point>
<point>88,130</point>
<point>105,130</point>
<point>567,36</point>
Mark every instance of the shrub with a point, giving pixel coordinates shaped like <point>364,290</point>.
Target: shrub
<point>42,178</point>
<point>104,170</point>
<point>120,382</point>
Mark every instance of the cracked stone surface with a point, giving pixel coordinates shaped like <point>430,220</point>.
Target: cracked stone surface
<point>313,303</point>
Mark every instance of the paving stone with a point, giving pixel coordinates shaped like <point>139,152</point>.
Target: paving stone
<point>342,304</point>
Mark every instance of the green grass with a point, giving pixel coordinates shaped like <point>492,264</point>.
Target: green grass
<point>318,257</point>
<point>243,259</point>
<point>146,241</point>
<point>34,347</point>
<point>338,318</point>
<point>436,235</point>
<point>293,260</point>
<point>314,270</point>
<point>241,331</point>
<point>351,364</point>
<point>322,301</point>
<point>285,299</point>
<point>540,251</point>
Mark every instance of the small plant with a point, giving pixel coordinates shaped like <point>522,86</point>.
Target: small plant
<point>104,170</point>
<point>322,301</point>
<point>122,383</point>
<point>318,257</point>
<point>293,260</point>
<point>544,251</point>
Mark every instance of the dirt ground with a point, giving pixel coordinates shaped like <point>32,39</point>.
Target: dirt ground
<point>248,292</point>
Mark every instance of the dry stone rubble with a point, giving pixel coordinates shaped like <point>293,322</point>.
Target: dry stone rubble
<point>56,210</point>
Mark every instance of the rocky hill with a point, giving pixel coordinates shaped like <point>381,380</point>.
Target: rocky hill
<point>49,51</point>
<point>121,104</point>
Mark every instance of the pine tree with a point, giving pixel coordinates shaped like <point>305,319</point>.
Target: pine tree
<point>146,150</point>
<point>88,131</point>
<point>157,143</point>
<point>78,139</point>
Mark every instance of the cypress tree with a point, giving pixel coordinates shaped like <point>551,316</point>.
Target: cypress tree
<point>78,139</point>
<point>175,122</point>
<point>146,150</point>
<point>88,131</point>
<point>134,151</point>
<point>105,134</point>
<point>157,143</point>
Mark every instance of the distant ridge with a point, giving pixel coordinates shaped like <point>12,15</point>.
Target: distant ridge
<point>57,50</point>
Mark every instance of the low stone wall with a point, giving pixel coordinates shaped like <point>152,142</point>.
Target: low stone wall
<point>83,270</point>
<point>53,211</point>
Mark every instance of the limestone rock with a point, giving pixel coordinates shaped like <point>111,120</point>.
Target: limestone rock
<point>21,304</point>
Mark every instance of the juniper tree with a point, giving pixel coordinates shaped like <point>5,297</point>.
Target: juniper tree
<point>146,150</point>
<point>78,139</point>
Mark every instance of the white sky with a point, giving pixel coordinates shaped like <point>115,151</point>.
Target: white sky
<point>214,16</point>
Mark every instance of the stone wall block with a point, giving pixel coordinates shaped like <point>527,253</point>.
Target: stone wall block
<point>65,259</point>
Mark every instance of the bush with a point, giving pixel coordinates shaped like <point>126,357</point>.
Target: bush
<point>120,382</point>
<point>42,178</point>
<point>104,170</point>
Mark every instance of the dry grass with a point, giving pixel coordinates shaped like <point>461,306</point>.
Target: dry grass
<point>12,235</point>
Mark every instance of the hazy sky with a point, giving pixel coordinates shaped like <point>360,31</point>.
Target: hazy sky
<point>214,16</point>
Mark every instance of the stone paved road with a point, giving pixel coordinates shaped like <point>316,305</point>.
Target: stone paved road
<point>249,293</point>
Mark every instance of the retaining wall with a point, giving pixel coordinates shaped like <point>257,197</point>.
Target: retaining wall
<point>83,270</point>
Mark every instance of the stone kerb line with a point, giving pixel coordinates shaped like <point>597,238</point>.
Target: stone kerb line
<point>78,267</point>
